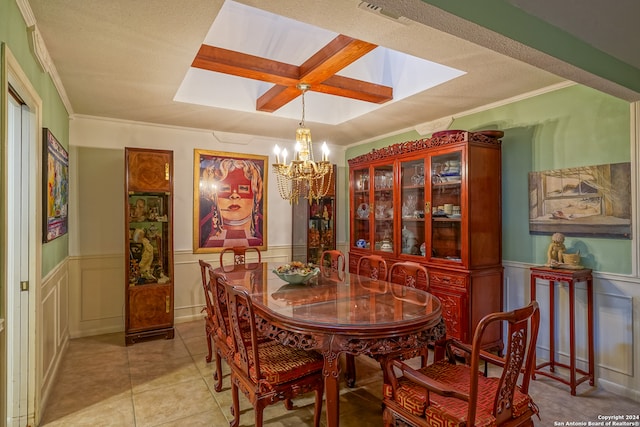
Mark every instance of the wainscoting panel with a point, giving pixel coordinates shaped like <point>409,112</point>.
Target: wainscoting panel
<point>98,286</point>
<point>63,306</point>
<point>49,329</point>
<point>614,327</point>
<point>53,326</point>
<point>96,295</point>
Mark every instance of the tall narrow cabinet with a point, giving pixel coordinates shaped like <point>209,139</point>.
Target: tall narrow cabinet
<point>314,225</point>
<point>436,201</point>
<point>148,244</point>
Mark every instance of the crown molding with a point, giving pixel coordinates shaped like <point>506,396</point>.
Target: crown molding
<point>41,53</point>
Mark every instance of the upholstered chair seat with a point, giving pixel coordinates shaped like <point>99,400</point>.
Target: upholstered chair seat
<point>449,411</point>
<point>280,364</point>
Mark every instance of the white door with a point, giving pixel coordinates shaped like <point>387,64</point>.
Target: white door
<point>19,136</point>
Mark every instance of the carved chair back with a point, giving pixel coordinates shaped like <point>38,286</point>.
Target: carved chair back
<point>216,319</point>
<point>205,268</point>
<point>408,273</point>
<point>333,260</point>
<point>239,254</point>
<point>375,265</point>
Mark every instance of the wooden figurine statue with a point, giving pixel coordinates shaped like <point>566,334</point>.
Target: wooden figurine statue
<point>139,236</point>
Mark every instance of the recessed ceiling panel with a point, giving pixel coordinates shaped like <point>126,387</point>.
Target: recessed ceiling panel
<point>256,32</point>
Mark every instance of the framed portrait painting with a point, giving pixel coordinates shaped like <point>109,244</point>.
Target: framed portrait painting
<point>55,187</point>
<point>229,201</point>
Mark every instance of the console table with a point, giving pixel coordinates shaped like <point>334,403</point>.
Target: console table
<point>570,276</point>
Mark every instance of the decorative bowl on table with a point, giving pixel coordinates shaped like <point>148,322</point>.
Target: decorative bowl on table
<point>296,272</point>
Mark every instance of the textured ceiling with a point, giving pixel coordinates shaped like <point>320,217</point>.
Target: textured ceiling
<point>126,60</point>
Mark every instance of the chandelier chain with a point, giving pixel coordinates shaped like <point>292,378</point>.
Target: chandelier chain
<point>303,108</point>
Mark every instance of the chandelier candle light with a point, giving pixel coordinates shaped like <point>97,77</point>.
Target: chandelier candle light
<point>303,177</point>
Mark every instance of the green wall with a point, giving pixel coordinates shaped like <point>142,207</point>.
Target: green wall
<point>14,35</point>
<point>574,126</point>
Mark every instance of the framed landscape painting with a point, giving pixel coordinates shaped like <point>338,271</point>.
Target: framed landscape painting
<point>589,201</point>
<point>229,201</point>
<point>55,187</point>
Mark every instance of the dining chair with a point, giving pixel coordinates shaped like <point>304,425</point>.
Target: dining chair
<point>451,393</point>
<point>413,275</point>
<point>216,320</point>
<point>266,371</point>
<point>239,254</point>
<point>209,325</point>
<point>409,273</point>
<point>375,265</point>
<point>333,259</point>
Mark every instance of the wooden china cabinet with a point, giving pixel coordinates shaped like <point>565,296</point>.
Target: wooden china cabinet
<point>314,226</point>
<point>149,244</point>
<point>436,201</point>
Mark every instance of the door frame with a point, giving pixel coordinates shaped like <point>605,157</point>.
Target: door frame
<point>13,74</point>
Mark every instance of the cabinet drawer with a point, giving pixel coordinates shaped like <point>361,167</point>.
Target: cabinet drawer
<point>446,279</point>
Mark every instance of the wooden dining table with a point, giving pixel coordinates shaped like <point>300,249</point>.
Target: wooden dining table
<point>338,313</point>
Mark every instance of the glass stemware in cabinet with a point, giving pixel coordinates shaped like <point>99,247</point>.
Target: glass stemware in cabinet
<point>363,182</point>
<point>412,202</point>
<point>418,176</point>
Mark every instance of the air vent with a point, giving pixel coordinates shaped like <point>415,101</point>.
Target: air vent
<point>380,11</point>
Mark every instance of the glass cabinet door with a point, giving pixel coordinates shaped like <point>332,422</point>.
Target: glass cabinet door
<point>149,238</point>
<point>361,199</point>
<point>412,225</point>
<point>446,218</point>
<point>382,211</point>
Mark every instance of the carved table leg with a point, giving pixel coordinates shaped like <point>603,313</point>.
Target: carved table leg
<point>350,370</point>
<point>331,373</point>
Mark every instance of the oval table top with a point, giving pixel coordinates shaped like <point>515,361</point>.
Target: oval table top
<point>336,302</point>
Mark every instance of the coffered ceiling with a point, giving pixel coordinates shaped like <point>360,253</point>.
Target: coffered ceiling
<point>375,68</point>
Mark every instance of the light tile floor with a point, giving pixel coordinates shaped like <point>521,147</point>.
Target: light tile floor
<point>168,383</point>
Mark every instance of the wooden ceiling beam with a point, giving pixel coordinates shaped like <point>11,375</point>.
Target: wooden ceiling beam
<point>336,55</point>
<point>239,64</point>
<point>345,87</point>
<point>355,89</point>
<point>321,68</point>
<point>276,97</point>
<point>319,71</point>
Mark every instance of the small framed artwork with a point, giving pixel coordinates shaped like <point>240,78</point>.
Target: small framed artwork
<point>55,187</point>
<point>229,201</point>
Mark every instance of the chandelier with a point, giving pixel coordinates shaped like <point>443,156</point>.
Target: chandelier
<point>303,177</point>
